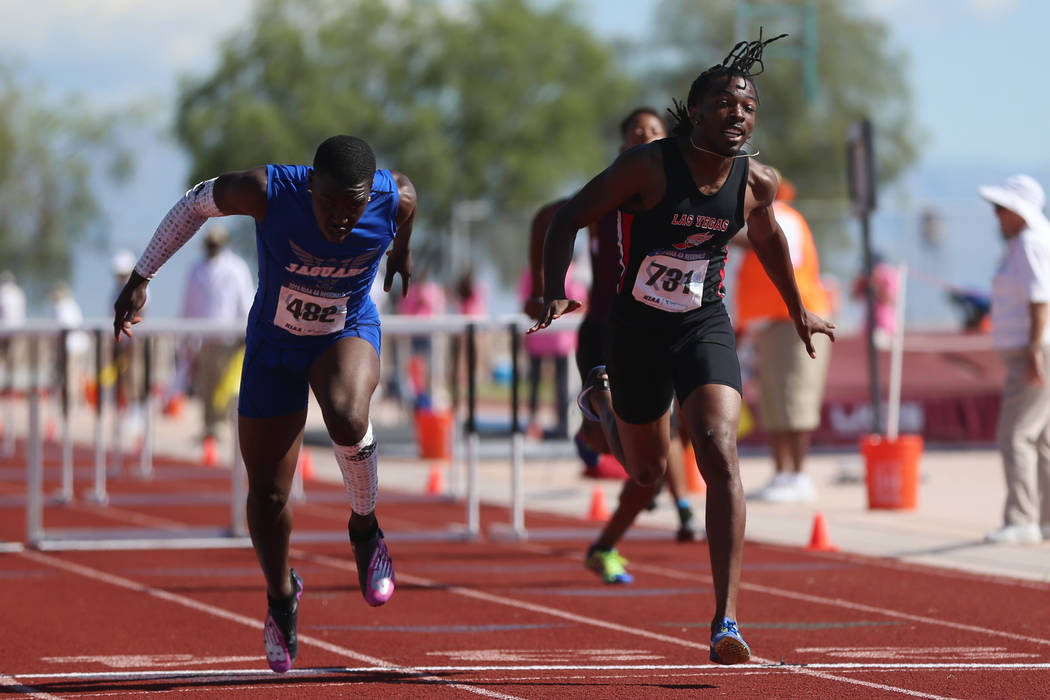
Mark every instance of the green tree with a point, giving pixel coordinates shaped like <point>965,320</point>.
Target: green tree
<point>857,72</point>
<point>498,101</point>
<point>51,156</point>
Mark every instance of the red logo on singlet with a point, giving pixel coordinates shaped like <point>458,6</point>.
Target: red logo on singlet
<point>709,223</point>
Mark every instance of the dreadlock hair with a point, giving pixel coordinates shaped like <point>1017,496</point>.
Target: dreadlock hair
<point>346,159</point>
<point>628,121</point>
<point>741,62</point>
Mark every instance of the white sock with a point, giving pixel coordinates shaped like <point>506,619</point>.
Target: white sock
<point>360,476</point>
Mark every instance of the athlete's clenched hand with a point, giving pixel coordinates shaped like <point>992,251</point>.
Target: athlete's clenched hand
<point>128,305</point>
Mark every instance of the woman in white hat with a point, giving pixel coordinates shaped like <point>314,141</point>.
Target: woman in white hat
<point>1021,333</point>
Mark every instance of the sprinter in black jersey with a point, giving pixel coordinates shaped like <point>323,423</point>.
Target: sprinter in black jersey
<point>679,201</point>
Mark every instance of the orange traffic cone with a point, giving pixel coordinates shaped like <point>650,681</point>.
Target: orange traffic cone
<point>820,541</point>
<point>599,509</point>
<point>436,482</point>
<point>175,405</point>
<point>306,463</point>
<point>694,482</point>
<point>211,452</point>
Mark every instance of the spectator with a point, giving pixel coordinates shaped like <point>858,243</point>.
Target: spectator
<point>12,301</point>
<point>885,280</point>
<point>470,298</point>
<point>553,346</point>
<point>1021,334</point>
<point>12,314</point>
<point>219,287</point>
<point>73,355</point>
<point>790,382</point>
<point>424,298</point>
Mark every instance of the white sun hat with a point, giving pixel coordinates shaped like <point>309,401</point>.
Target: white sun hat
<point>123,262</point>
<point>1020,194</point>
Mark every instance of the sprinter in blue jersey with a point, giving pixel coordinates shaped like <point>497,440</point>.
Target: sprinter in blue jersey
<point>321,232</point>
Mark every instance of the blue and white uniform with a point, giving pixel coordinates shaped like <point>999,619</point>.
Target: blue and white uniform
<point>312,292</point>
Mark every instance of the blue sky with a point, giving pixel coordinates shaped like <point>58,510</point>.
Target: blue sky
<point>976,68</point>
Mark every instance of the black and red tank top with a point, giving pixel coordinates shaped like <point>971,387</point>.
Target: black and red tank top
<point>673,255</point>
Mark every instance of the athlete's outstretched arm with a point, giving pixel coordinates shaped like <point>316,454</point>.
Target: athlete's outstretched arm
<point>399,257</point>
<point>629,176</point>
<point>769,243</point>
<point>242,192</point>
<point>534,305</point>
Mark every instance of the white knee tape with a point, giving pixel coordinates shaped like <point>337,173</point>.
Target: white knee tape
<point>360,476</point>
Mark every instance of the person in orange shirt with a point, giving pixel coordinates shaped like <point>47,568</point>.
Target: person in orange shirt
<point>790,382</point>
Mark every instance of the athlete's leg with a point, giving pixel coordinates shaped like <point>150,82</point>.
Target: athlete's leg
<point>633,499</point>
<point>711,414</point>
<point>343,378</point>
<point>600,399</point>
<point>648,455</point>
<point>645,447</point>
<point>270,448</point>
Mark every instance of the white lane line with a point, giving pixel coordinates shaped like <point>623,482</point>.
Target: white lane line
<point>11,684</point>
<point>520,604</point>
<point>821,600</point>
<point>184,601</point>
<point>849,605</point>
<point>594,622</point>
<point>701,669</point>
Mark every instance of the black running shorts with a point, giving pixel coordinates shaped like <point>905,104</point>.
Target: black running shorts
<point>590,345</point>
<point>649,366</point>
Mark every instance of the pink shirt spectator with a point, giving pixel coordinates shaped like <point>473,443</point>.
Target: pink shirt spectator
<point>550,342</point>
<point>887,285</point>
<point>475,304</point>
<point>885,279</point>
<point>423,299</point>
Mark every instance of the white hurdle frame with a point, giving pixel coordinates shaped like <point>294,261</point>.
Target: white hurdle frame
<point>235,535</point>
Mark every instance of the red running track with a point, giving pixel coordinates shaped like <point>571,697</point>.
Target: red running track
<point>493,619</point>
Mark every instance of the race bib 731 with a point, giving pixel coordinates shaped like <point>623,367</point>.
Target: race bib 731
<point>670,283</point>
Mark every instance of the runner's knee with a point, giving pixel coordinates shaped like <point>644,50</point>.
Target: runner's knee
<point>717,450</point>
<point>346,422</point>
<point>267,500</point>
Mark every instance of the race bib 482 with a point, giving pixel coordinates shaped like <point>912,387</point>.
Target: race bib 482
<point>309,313</point>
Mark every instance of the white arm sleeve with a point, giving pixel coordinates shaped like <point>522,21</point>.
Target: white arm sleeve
<point>181,222</point>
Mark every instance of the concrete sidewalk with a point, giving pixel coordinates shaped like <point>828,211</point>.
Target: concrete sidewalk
<point>961,493</point>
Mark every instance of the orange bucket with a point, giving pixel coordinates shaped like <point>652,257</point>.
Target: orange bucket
<point>434,434</point>
<point>892,468</point>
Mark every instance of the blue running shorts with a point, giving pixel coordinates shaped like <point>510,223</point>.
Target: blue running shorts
<point>275,380</point>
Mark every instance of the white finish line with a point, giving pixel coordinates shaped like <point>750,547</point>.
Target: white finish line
<point>702,668</point>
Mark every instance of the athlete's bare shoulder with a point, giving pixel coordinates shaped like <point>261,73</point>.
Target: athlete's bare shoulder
<point>762,183</point>
<point>242,192</point>
<point>641,171</point>
<point>405,188</point>
<point>406,196</point>
<point>645,155</point>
